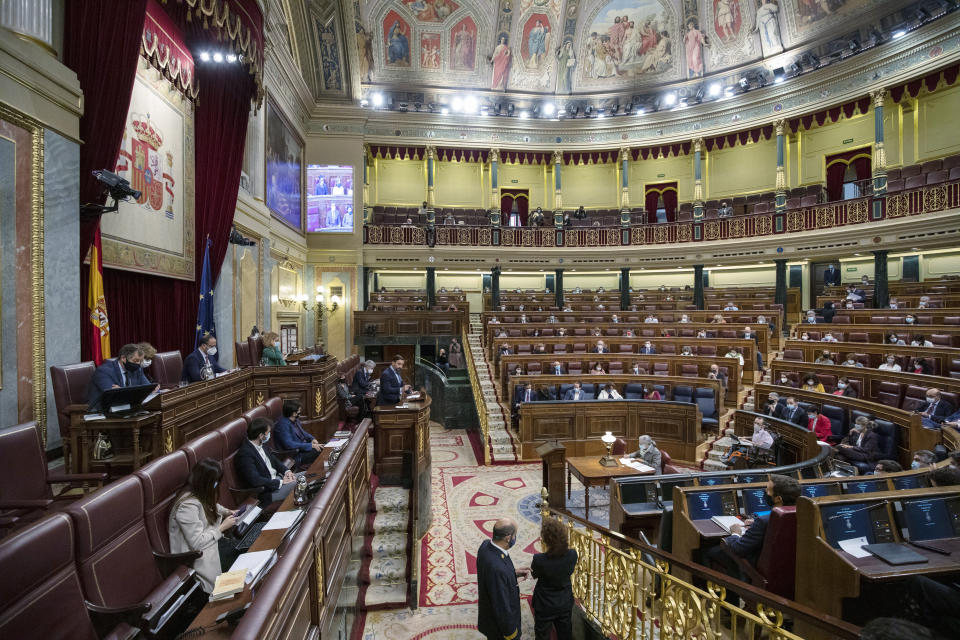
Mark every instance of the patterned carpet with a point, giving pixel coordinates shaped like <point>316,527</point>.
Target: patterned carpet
<point>467,499</point>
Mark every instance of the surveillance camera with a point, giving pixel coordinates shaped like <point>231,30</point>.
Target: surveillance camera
<point>119,188</point>
<point>237,238</point>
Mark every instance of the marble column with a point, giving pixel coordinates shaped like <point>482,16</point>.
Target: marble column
<point>431,165</point>
<point>625,186</point>
<point>624,288</point>
<point>495,286</point>
<point>558,287</point>
<point>366,184</point>
<point>494,158</point>
<point>881,292</point>
<point>30,20</point>
<point>780,290</point>
<point>781,181</point>
<point>557,190</point>
<point>698,286</point>
<point>431,287</point>
<point>365,288</point>
<point>879,153</point>
<point>698,179</point>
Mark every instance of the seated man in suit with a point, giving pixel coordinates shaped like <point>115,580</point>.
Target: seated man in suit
<point>556,368</point>
<point>781,491</point>
<point>648,348</point>
<point>793,413</point>
<point>392,387</point>
<point>649,453</point>
<point>259,468</point>
<point>125,371</point>
<point>936,410</point>
<point>773,406</point>
<point>362,384</point>
<point>290,435</point>
<point>576,393</point>
<point>716,374</point>
<point>204,357</point>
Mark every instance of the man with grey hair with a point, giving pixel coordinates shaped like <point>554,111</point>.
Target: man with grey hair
<point>648,453</point>
<point>498,594</point>
<point>363,379</point>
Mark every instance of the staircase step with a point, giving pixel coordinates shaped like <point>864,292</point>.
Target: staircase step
<point>388,543</point>
<point>388,570</point>
<point>390,521</point>
<point>391,499</point>
<point>383,596</point>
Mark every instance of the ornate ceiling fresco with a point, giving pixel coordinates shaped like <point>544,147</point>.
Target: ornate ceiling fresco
<point>564,47</point>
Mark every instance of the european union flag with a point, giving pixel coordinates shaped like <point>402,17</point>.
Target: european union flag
<point>205,323</point>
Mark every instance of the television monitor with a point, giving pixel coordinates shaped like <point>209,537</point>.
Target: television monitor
<point>857,520</point>
<point>709,481</point>
<point>930,518</point>
<point>330,199</point>
<point>865,486</point>
<point>820,489</point>
<point>703,505</point>
<point>746,478</point>
<point>666,488</point>
<point>753,502</point>
<point>915,481</point>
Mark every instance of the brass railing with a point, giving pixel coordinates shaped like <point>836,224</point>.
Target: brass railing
<point>634,591</point>
<point>478,396</point>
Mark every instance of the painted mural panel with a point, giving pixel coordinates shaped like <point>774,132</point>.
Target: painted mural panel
<point>535,41</point>
<point>463,45</point>
<point>431,10</point>
<point>396,35</point>
<point>501,59</point>
<point>430,51</point>
<point>629,38</point>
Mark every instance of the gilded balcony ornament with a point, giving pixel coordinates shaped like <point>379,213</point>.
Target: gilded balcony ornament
<point>934,198</point>
<point>858,211</point>
<point>795,221</point>
<point>764,225</point>
<point>506,237</point>
<point>374,234</point>
<point>483,237</point>
<point>613,237</point>
<point>738,228</point>
<point>419,235</point>
<point>526,237</point>
<point>898,205</point>
<point>463,236</point>
<point>571,238</point>
<point>711,230</point>
<point>637,236</point>
<point>684,232</point>
<point>546,237</point>
<point>825,217</point>
<point>660,234</point>
<point>396,235</point>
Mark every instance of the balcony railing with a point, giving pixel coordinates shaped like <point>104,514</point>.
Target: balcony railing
<point>829,215</point>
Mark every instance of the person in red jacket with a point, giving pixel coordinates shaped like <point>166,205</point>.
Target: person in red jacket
<point>819,424</point>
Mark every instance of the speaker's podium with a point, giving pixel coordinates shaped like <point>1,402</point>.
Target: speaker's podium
<point>554,456</point>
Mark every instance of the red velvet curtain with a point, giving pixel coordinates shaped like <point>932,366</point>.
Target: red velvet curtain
<point>835,173</point>
<point>163,311</point>
<point>837,167</point>
<point>506,206</point>
<point>650,205</point>
<point>652,194</point>
<point>101,44</point>
<point>670,204</point>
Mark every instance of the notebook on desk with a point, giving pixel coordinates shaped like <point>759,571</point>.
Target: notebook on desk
<point>895,553</point>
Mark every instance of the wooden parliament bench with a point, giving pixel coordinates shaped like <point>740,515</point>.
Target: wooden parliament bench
<point>567,318</point>
<point>872,355</point>
<point>939,334</point>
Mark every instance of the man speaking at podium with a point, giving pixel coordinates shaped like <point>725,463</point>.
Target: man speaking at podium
<point>203,357</point>
<point>391,383</point>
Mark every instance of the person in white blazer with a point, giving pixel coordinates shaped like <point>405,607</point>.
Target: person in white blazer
<point>197,522</point>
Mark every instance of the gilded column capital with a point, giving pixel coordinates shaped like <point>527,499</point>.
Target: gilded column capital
<point>431,152</point>
<point>494,155</point>
<point>624,153</point>
<point>698,145</point>
<point>780,126</point>
<point>557,157</point>
<point>878,96</point>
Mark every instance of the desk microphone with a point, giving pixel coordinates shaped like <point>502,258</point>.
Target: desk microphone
<point>846,514</point>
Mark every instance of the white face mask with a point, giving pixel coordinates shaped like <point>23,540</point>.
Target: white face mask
<point>783,379</point>
<point>266,438</point>
<point>145,363</point>
<point>212,351</point>
<point>909,320</point>
<point>841,386</point>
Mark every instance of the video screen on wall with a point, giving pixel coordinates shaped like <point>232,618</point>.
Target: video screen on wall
<point>329,198</point>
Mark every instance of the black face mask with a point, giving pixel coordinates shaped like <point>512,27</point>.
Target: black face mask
<point>131,367</point>
<point>768,499</point>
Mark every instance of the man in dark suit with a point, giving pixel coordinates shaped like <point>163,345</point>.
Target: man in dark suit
<point>576,393</point>
<point>362,384</point>
<point>259,468</point>
<point>125,371</point>
<point>498,594</point>
<point>936,410</point>
<point>781,491</point>
<point>793,413</point>
<point>648,348</point>
<point>392,387</point>
<point>716,374</point>
<point>556,368</point>
<point>831,277</point>
<point>203,357</point>
<point>290,435</point>
<point>600,348</point>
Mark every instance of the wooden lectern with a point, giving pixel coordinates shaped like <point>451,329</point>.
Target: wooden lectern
<point>554,456</point>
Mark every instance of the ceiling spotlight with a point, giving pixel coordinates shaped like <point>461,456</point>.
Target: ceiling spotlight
<point>218,57</point>
<point>497,108</point>
<point>640,111</point>
<point>698,97</point>
<point>574,111</point>
<point>714,89</point>
<point>670,99</point>
<point>744,84</point>
<point>444,110</point>
<point>205,57</point>
<point>417,105</point>
<point>364,102</point>
<point>231,58</point>
<point>601,114</point>
<point>457,103</point>
<point>728,92</point>
<point>779,75</point>
<point>377,100</point>
<point>403,107</point>
<point>614,109</point>
<point>511,108</point>
<point>588,111</point>
<point>794,68</point>
<point>524,114</point>
<point>549,109</point>
<point>899,33</point>
<point>853,45</point>
<point>470,104</point>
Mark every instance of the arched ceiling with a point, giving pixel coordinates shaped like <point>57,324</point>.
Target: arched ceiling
<point>347,48</point>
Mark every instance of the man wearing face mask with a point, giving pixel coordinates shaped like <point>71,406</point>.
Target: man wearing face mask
<point>831,277</point>
<point>793,413</point>
<point>203,357</point>
<point>498,594</point>
<point>648,348</point>
<point>649,453</point>
<point>259,468</point>
<point>362,380</point>
<point>125,371</point>
<point>923,459</point>
<point>781,491</point>
<point>935,411</point>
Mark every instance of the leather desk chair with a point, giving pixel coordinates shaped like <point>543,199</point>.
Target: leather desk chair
<point>242,351</point>
<point>70,384</point>
<point>665,462</point>
<point>777,564</point>
<point>168,369</point>
<point>232,494</point>
<point>256,349</point>
<point>257,412</point>
<point>162,480</point>
<point>121,576</point>
<point>25,491</point>
<point>45,600</point>
<point>274,407</point>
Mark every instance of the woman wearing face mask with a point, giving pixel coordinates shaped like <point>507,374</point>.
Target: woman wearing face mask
<point>272,356</point>
<point>919,340</point>
<point>890,364</point>
<point>197,522</point>
<point>805,336</point>
<point>922,366</point>
<point>649,393</point>
<point>851,361</point>
<point>845,389</point>
<point>824,358</point>
<point>860,444</point>
<point>910,319</point>
<point>456,354</point>
<point>786,382</point>
<point>810,383</point>
<point>893,338</point>
<point>553,595</point>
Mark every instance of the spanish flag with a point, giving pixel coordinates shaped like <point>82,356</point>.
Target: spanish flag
<point>97,305</point>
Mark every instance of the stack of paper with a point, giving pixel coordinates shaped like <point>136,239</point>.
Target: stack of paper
<point>854,546</point>
<point>283,519</point>
<point>228,584</point>
<point>726,522</point>
<point>336,443</point>
<point>633,463</point>
<point>253,563</point>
